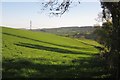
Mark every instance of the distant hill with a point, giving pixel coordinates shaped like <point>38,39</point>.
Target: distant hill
<point>75,31</point>
<point>68,30</point>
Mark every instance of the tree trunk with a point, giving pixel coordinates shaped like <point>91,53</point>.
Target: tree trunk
<point>115,45</point>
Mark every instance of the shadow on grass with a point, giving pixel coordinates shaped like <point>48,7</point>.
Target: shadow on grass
<point>26,68</point>
<point>74,47</point>
<point>53,49</point>
<point>97,47</point>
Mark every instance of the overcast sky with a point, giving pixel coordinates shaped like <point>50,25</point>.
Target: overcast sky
<point>18,15</point>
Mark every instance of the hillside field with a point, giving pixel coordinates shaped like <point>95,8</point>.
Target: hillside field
<point>27,54</point>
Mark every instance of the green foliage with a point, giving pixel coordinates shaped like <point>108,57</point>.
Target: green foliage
<point>28,54</point>
<point>104,34</point>
<point>114,11</point>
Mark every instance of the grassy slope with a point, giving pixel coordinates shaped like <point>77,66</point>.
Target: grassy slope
<point>39,54</point>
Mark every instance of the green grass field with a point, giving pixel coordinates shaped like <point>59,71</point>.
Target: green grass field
<point>28,54</point>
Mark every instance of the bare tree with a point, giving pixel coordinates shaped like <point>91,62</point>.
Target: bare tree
<point>58,7</point>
